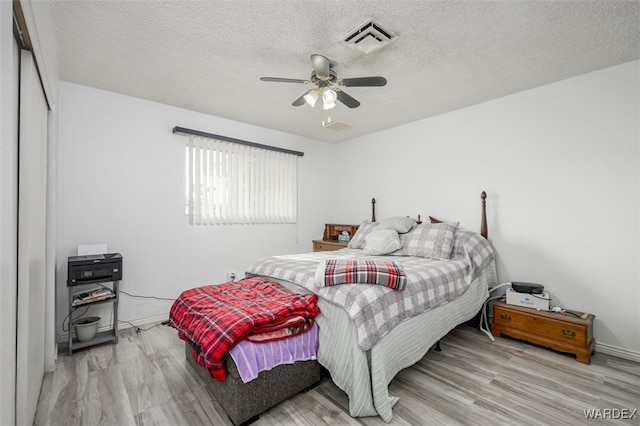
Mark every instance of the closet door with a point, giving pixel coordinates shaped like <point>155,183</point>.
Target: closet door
<point>32,197</point>
<point>9,85</point>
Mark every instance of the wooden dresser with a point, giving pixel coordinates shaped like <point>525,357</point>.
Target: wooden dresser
<point>329,241</point>
<point>560,331</point>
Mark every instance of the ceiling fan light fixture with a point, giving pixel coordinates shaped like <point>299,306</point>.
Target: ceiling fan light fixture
<point>311,97</point>
<point>328,86</point>
<point>329,97</point>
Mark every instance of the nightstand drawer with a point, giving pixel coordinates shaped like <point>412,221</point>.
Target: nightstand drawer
<point>553,329</point>
<point>327,245</point>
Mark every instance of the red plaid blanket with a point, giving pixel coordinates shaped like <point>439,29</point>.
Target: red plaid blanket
<point>214,318</point>
<point>381,272</point>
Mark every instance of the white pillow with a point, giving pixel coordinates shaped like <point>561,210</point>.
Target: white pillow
<point>381,241</point>
<point>400,224</point>
<point>357,242</point>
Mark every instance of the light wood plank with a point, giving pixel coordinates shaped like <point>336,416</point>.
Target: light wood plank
<point>145,380</point>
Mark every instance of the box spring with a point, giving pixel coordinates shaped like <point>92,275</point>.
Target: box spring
<point>245,401</point>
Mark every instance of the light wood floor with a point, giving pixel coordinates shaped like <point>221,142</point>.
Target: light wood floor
<point>144,380</point>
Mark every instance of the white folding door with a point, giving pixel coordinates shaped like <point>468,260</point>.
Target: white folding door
<point>32,213</point>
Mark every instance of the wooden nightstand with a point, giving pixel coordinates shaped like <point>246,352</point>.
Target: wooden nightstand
<point>322,245</point>
<point>559,331</point>
<point>329,241</point>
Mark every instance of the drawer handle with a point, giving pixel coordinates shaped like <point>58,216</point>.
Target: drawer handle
<point>505,317</point>
<point>568,333</point>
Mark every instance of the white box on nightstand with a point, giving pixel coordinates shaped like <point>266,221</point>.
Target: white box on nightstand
<point>534,301</point>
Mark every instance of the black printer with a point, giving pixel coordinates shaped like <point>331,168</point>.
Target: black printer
<point>94,268</point>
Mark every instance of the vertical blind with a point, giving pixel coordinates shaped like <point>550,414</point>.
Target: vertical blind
<point>230,183</point>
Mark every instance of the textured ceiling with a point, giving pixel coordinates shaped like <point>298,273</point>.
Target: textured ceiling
<point>208,56</point>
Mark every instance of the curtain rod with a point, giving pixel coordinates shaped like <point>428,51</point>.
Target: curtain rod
<point>184,131</point>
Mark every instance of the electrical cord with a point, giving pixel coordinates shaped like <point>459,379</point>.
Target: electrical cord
<point>147,297</point>
<point>86,309</point>
<point>483,314</point>
<point>540,297</point>
<point>140,329</point>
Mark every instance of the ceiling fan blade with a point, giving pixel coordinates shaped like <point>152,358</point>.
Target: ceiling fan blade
<point>347,100</point>
<point>364,81</point>
<point>321,65</point>
<point>300,101</point>
<point>284,80</point>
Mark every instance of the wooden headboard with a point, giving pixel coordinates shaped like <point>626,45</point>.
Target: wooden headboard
<point>484,230</point>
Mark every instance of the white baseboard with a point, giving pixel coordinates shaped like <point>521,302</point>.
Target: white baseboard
<point>141,321</point>
<point>618,352</point>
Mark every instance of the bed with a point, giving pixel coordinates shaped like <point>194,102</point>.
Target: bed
<point>368,333</point>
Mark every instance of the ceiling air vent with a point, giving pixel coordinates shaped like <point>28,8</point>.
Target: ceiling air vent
<point>369,36</point>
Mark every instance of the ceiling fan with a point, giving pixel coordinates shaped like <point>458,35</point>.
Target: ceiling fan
<point>328,85</point>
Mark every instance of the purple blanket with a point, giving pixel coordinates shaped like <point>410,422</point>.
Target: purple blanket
<point>252,358</point>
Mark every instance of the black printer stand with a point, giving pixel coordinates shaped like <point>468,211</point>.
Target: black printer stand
<point>107,336</point>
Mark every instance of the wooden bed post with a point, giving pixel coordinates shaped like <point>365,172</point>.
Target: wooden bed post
<point>373,210</point>
<point>484,231</point>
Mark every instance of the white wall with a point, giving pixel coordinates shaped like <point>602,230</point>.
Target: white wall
<point>122,180</point>
<point>560,164</point>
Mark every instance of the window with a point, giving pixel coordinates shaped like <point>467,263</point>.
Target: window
<point>231,183</point>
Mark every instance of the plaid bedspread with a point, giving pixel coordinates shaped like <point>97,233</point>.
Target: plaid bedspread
<point>349,271</point>
<point>214,318</point>
<point>377,309</point>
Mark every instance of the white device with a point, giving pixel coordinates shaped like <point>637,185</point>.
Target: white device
<point>534,301</point>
